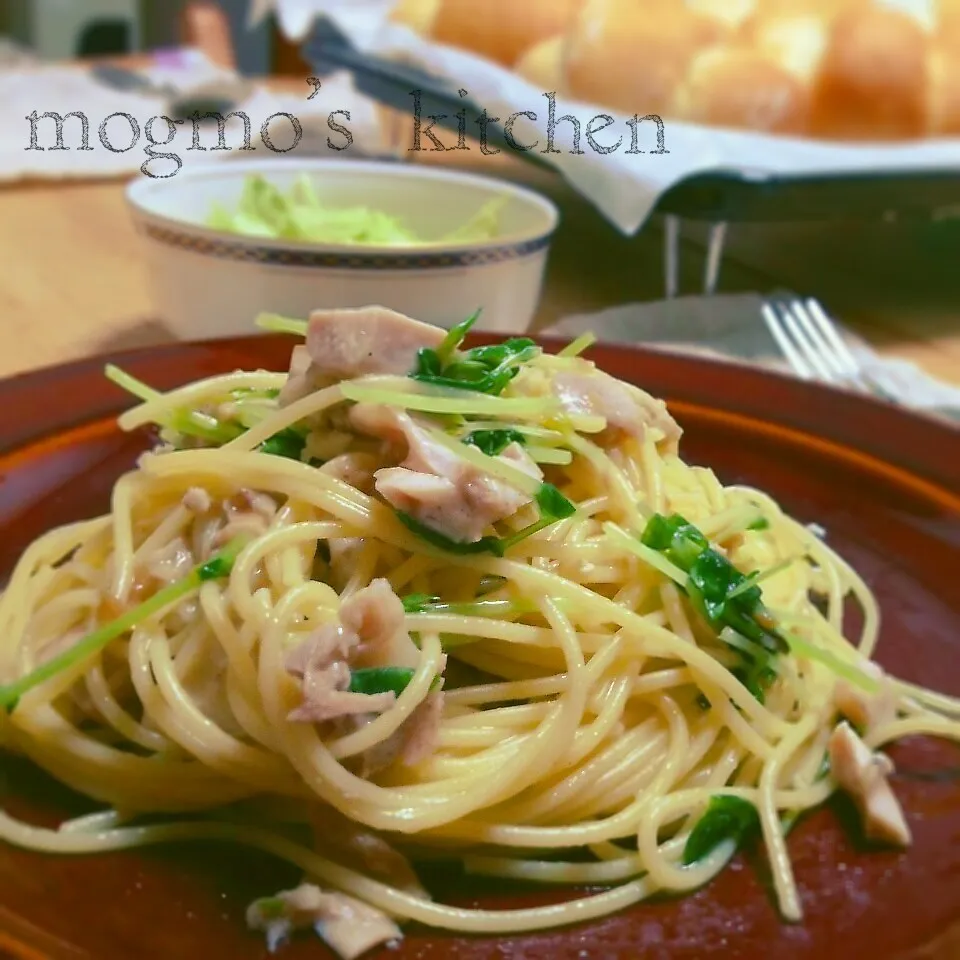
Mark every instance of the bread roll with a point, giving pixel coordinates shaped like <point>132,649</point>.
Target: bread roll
<point>948,22</point>
<point>943,92</point>
<point>542,64</point>
<point>796,42</point>
<point>831,69</point>
<point>501,30</point>
<point>416,14</point>
<point>872,82</point>
<point>631,57</point>
<point>730,13</point>
<point>731,86</point>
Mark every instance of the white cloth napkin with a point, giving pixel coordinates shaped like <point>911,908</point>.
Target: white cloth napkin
<point>731,327</point>
<point>62,89</point>
<point>624,187</point>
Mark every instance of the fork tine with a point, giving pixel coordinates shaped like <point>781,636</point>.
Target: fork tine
<point>818,342</point>
<point>807,346</point>
<point>774,325</point>
<point>829,330</point>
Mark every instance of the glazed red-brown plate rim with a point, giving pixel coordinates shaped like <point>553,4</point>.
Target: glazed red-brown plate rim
<point>736,414</point>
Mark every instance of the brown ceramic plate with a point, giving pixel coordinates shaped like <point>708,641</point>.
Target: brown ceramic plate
<point>883,482</point>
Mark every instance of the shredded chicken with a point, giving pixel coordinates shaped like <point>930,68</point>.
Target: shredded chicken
<point>347,343</point>
<point>866,711</point>
<point>299,382</point>
<point>351,343</point>
<point>434,485</point>
<point>320,663</point>
<point>412,743</point>
<point>344,552</point>
<point>369,632</point>
<point>863,775</point>
<point>626,410</point>
<point>375,615</point>
<point>356,469</point>
<point>348,926</point>
<point>260,503</point>
<point>250,512</point>
<point>197,500</point>
<point>172,563</point>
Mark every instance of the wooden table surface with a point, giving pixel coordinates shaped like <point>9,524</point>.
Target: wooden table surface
<point>74,280</point>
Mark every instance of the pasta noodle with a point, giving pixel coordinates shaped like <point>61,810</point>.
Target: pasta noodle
<point>603,719</point>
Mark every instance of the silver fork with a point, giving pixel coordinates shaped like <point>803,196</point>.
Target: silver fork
<point>809,341</point>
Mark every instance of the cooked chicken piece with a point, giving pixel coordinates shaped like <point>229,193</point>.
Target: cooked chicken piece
<point>351,343</point>
<point>863,775</point>
<point>376,616</point>
<point>320,663</point>
<point>436,486</point>
<point>260,503</point>
<point>414,741</point>
<point>356,469</point>
<point>300,381</point>
<point>197,500</point>
<point>461,510</point>
<point>344,552</point>
<point>626,410</point>
<point>249,513</point>
<point>423,729</point>
<point>347,343</point>
<point>375,613</point>
<point>370,632</point>
<point>380,421</point>
<point>250,524</point>
<point>348,926</point>
<point>867,710</point>
<point>172,563</point>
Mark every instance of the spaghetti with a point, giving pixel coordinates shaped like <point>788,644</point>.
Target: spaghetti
<point>438,602</point>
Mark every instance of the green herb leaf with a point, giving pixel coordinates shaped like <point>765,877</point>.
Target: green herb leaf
<point>553,503</point>
<point>723,595</point>
<point>455,336</point>
<point>271,908</point>
<point>483,369</point>
<point>217,567</point>
<point>287,443</point>
<point>680,541</point>
<point>418,602</point>
<point>757,677</point>
<point>726,818</point>
<point>494,442</point>
<point>762,524</point>
<point>374,680</point>
<point>220,564</point>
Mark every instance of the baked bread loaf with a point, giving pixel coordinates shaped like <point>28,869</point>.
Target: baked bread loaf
<point>829,69</point>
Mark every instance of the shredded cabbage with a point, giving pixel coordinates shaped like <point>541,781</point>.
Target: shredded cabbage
<point>263,210</point>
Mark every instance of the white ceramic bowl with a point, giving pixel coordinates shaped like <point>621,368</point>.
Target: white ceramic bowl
<point>209,283</point>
